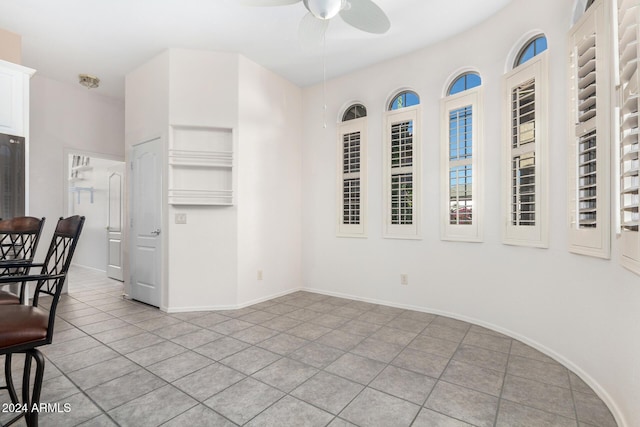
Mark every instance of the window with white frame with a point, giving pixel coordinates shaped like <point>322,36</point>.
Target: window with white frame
<point>525,171</point>
<point>460,159</point>
<point>589,134</point>
<point>402,167</point>
<point>352,172</point>
<point>629,163</point>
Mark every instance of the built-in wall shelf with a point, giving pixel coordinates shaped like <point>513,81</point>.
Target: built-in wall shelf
<point>200,166</point>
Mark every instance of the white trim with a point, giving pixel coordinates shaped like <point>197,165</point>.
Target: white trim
<point>590,381</point>
<point>594,241</point>
<point>352,230</point>
<point>536,235</point>
<point>413,230</point>
<point>230,306</point>
<point>471,232</point>
<point>519,46</point>
<point>455,75</point>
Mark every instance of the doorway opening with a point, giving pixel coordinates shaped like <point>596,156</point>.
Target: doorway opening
<point>95,189</point>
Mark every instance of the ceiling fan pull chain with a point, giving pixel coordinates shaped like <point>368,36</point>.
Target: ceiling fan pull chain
<point>324,80</point>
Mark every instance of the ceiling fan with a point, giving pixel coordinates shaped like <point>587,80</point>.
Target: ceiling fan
<point>364,15</point>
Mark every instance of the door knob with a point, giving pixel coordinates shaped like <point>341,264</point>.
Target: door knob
<point>156,232</point>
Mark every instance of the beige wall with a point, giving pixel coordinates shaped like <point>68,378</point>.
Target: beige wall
<point>10,47</point>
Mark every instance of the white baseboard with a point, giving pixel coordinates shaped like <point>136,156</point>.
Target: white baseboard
<point>588,379</point>
<point>229,307</point>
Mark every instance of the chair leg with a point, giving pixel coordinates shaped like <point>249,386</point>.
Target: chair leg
<point>26,380</point>
<point>33,402</point>
<point>9,379</point>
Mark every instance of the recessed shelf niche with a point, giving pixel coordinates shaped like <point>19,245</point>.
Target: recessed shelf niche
<point>200,166</point>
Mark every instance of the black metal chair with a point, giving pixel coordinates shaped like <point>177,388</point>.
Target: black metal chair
<point>19,239</point>
<point>23,328</point>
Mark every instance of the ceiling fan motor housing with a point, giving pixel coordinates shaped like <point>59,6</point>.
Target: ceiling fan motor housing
<point>324,9</point>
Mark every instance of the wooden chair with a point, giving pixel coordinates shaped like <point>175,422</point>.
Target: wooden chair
<point>23,328</point>
<point>19,239</point>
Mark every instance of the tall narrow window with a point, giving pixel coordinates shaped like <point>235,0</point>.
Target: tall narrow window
<point>629,36</point>
<point>525,172</point>
<point>588,156</point>
<point>402,167</point>
<point>352,173</point>
<point>461,142</point>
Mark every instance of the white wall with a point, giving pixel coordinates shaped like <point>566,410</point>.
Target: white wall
<point>269,185</point>
<point>202,254</point>
<point>212,260</point>
<point>66,117</point>
<point>581,310</point>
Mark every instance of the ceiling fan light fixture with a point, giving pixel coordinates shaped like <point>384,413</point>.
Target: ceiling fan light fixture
<point>324,9</point>
<point>88,81</point>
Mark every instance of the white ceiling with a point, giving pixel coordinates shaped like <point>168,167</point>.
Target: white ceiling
<point>109,38</point>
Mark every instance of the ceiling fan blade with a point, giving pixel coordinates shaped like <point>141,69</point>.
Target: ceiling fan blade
<point>367,16</point>
<point>311,31</point>
<point>267,2</point>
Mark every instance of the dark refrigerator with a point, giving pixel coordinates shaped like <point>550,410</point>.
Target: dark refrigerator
<point>12,176</point>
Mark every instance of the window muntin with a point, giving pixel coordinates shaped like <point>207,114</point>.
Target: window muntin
<point>402,169</point>
<point>533,48</point>
<point>404,99</point>
<point>523,155</point>
<point>460,165</point>
<point>351,178</point>
<point>464,82</point>
<point>401,173</point>
<point>351,189</point>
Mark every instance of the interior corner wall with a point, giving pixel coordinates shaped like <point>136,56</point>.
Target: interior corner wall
<point>63,117</point>
<point>146,118</point>
<point>269,184</point>
<point>202,254</point>
<point>583,311</point>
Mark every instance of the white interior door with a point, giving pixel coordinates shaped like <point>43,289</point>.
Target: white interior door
<point>146,208</point>
<point>115,181</point>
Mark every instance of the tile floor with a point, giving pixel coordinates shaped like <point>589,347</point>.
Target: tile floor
<point>299,360</point>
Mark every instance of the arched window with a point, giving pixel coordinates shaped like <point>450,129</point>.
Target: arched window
<point>534,47</point>
<point>404,99</point>
<point>352,172</point>
<point>402,167</point>
<point>461,147</point>
<point>525,147</point>
<point>464,82</point>
<point>356,111</point>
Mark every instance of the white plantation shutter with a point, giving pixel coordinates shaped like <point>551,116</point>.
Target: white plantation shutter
<point>402,174</point>
<point>352,178</point>
<point>525,171</point>
<point>628,33</point>
<point>588,168</point>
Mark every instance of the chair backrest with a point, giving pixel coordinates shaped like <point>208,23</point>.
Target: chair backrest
<point>58,259</point>
<point>56,264</point>
<point>19,237</point>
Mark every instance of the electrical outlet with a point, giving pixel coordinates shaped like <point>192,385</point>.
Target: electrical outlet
<point>181,218</point>
<point>404,279</point>
<point>259,274</point>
